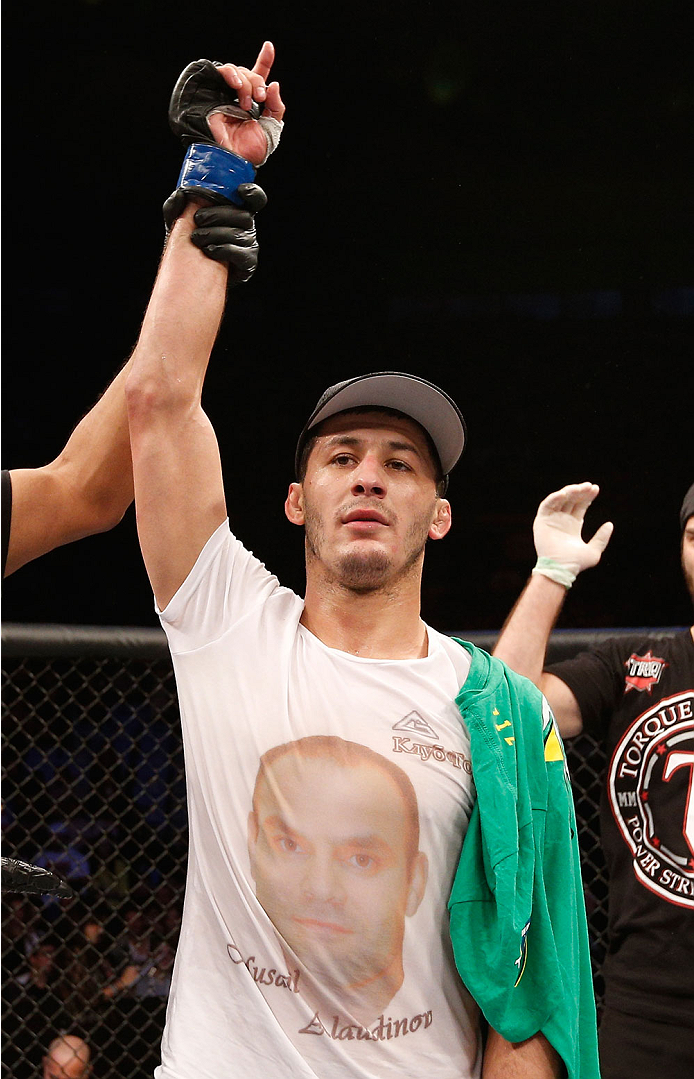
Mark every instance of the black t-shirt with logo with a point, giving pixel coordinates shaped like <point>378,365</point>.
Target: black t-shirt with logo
<point>636,694</point>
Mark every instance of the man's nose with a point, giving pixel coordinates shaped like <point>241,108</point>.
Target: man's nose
<point>321,881</point>
<point>369,478</point>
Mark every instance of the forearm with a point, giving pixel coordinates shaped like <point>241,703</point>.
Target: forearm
<point>95,462</point>
<point>531,1059</point>
<point>86,489</point>
<point>522,643</point>
<point>179,493</point>
<point>180,325</point>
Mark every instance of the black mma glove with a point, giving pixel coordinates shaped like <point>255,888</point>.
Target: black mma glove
<point>200,90</point>
<point>208,170</point>
<point>225,233</point>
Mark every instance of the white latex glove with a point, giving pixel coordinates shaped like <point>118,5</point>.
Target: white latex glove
<point>562,553</point>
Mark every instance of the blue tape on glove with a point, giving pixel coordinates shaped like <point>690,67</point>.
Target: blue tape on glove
<point>209,168</point>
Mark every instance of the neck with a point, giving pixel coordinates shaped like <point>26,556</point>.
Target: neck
<point>383,624</point>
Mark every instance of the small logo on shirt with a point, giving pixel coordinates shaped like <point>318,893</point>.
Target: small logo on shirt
<point>413,723</point>
<point>643,672</point>
<point>523,956</point>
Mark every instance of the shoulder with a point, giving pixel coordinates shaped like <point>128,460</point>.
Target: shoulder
<point>491,683</point>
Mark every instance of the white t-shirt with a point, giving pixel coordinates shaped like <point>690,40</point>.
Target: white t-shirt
<point>314,941</point>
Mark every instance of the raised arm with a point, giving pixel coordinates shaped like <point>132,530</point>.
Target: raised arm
<point>562,554</point>
<point>86,489</point>
<point>89,485</point>
<point>179,493</point>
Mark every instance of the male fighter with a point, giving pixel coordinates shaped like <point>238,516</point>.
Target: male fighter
<point>258,668</point>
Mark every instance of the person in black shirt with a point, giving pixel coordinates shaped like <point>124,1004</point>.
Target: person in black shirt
<point>636,694</point>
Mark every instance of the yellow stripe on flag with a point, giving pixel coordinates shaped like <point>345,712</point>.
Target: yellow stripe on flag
<point>553,750</point>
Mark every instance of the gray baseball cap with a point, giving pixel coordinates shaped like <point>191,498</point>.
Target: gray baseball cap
<point>422,401</point>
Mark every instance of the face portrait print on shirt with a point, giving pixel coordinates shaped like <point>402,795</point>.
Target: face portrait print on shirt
<point>333,840</point>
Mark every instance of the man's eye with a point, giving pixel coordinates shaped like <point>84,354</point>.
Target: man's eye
<point>342,459</point>
<point>287,845</point>
<point>362,861</point>
<point>400,466</point>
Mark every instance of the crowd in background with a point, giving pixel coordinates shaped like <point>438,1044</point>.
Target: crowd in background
<point>95,795</point>
<point>91,967</point>
<point>93,790</point>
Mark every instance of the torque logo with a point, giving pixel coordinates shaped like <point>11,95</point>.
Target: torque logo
<point>651,793</point>
<point>643,672</point>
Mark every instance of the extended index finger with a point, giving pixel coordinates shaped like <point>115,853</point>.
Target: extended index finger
<point>265,60</point>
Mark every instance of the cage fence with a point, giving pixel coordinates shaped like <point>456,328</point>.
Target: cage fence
<point>94,790</point>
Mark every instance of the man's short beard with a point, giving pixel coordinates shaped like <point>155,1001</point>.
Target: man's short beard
<point>687,564</point>
<point>689,581</point>
<point>366,571</point>
<point>363,572</point>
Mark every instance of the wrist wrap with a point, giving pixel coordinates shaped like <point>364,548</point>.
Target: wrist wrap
<point>556,571</point>
<point>214,172</point>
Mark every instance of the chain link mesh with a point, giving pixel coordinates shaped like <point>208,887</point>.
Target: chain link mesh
<point>93,789</point>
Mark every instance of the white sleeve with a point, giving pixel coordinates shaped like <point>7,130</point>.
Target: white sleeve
<point>223,585</point>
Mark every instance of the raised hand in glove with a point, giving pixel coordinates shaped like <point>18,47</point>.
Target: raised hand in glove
<point>562,553</point>
<point>215,109</point>
<point>230,105</point>
<point>231,121</point>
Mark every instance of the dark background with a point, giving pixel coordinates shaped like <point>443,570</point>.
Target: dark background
<point>497,197</point>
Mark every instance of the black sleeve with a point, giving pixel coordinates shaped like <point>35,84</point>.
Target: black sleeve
<point>596,679</point>
<point>6,515</point>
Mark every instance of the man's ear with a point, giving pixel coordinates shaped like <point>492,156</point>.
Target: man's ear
<point>294,505</point>
<point>418,883</point>
<point>441,524</point>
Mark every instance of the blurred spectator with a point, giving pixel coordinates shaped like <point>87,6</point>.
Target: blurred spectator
<point>154,977</point>
<point>40,977</point>
<point>138,994</point>
<point>15,936</point>
<point>34,1008</point>
<point>89,967</point>
<point>133,948</point>
<point>68,1057</point>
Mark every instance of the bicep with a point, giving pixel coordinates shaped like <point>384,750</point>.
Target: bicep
<point>179,496</point>
<point>563,703</point>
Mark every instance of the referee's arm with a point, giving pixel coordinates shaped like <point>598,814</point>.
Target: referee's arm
<point>85,490</point>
